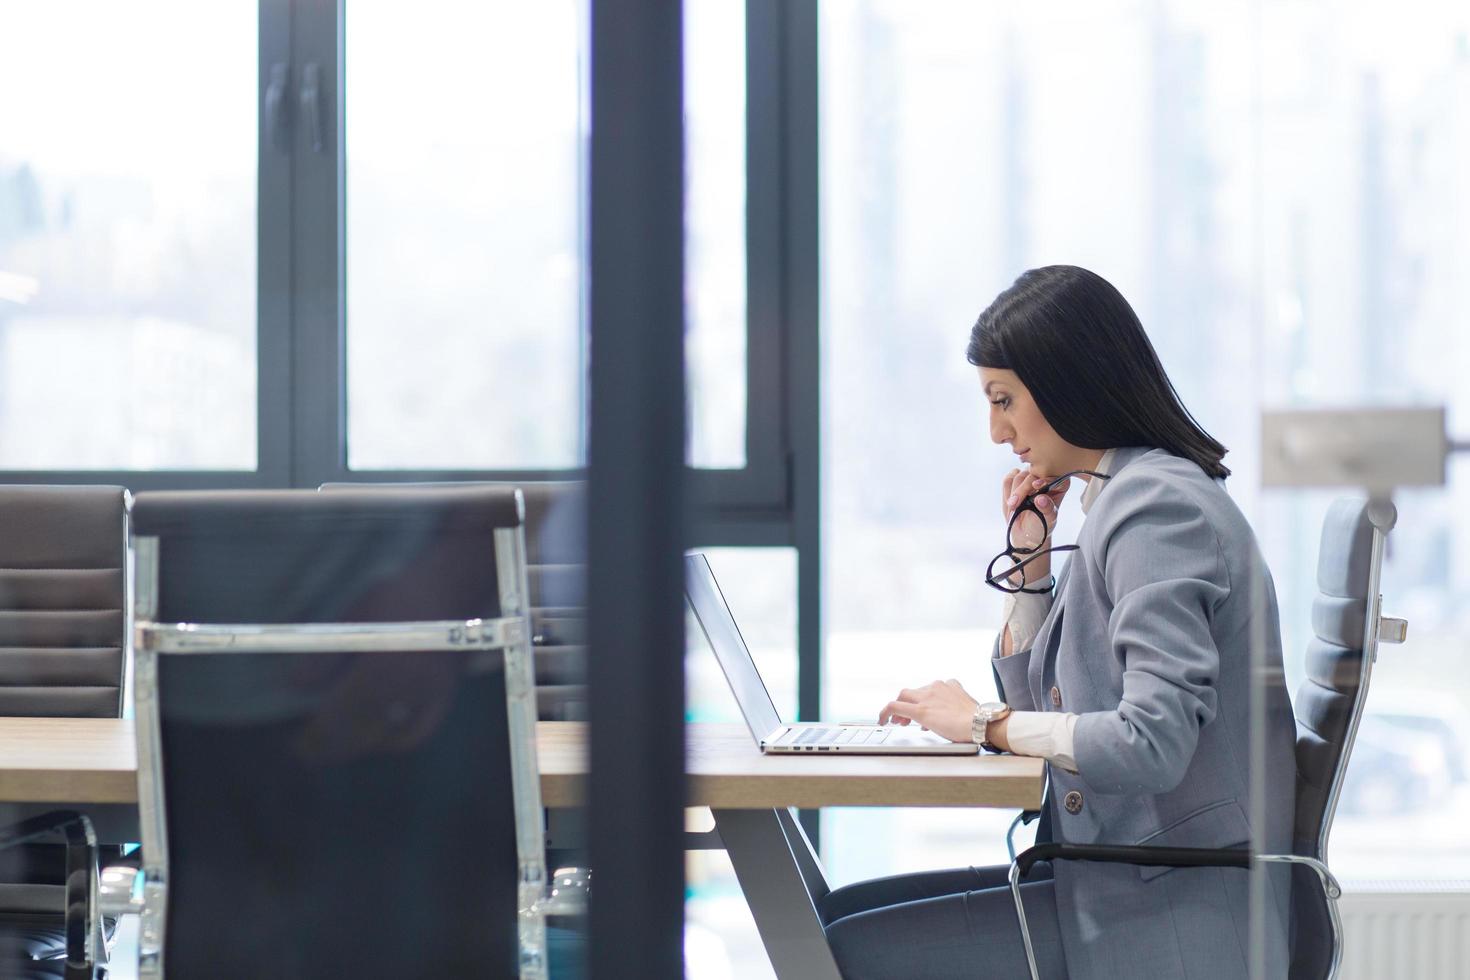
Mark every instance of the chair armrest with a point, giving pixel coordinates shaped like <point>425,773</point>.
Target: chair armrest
<point>37,829</point>
<point>81,923</point>
<point>1022,819</point>
<point>1178,857</point>
<point>1174,857</point>
<point>118,892</point>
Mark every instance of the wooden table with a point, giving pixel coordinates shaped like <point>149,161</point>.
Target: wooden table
<point>93,760</point>
<point>93,763</point>
<point>726,771</point>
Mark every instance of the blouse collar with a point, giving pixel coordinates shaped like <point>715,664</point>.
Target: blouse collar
<point>1094,485</point>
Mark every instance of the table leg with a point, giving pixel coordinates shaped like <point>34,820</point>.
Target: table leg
<point>782,881</point>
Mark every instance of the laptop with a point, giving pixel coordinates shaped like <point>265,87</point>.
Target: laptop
<point>771,734</point>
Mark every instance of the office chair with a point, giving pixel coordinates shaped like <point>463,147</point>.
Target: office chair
<point>1347,626</point>
<point>556,561</point>
<point>62,636</point>
<point>336,736</point>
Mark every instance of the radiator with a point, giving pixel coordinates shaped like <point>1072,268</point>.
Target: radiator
<point>1405,930</point>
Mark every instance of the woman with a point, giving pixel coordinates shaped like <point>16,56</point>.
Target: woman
<point>1129,673</point>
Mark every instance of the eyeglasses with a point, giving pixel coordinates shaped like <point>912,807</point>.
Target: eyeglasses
<point>1016,557</point>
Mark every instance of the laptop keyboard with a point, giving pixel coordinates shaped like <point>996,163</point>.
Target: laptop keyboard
<point>841,736</point>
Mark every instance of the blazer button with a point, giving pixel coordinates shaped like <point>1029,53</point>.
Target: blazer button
<point>1073,802</point>
<point>1056,698</point>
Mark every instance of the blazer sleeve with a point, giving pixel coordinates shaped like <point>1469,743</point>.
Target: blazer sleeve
<point>1010,678</point>
<point>1165,575</point>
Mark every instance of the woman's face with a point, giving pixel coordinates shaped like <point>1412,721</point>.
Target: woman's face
<point>1016,421</point>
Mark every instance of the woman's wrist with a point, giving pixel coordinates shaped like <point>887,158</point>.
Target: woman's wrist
<point>1038,571</point>
<point>995,733</point>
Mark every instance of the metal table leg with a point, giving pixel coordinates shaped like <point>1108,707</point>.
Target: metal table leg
<point>782,881</point>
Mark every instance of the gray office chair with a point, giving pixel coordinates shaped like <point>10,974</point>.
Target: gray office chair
<point>1347,626</point>
<point>556,561</point>
<point>62,635</point>
<point>335,720</point>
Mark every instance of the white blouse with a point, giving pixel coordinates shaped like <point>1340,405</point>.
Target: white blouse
<point>1047,734</point>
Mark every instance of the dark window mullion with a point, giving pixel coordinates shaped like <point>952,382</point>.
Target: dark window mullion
<point>801,305</point>
<point>273,410</point>
<point>318,362</point>
<point>765,480</point>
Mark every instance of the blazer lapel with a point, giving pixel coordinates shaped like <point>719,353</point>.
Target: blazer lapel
<point>1043,651</point>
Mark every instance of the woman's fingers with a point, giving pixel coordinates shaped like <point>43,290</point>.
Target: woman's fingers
<point>1020,486</point>
<point>1059,491</point>
<point>902,712</point>
<point>1007,488</point>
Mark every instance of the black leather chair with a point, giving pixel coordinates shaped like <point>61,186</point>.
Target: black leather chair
<point>335,717</point>
<point>62,601</point>
<point>1347,626</point>
<point>556,560</point>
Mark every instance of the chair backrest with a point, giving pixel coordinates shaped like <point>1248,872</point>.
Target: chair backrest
<point>63,552</point>
<point>556,558</point>
<point>1345,617</point>
<point>62,600</point>
<point>1329,703</point>
<point>330,813</point>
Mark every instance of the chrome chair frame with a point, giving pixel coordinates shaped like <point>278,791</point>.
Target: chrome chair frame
<point>1376,629</point>
<point>510,635</point>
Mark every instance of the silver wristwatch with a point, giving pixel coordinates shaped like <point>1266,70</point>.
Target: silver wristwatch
<point>984,715</point>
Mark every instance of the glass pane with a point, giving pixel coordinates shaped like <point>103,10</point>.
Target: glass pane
<point>464,339</point>
<point>1388,103</point>
<point>1292,234</point>
<point>720,938</point>
<point>759,586</point>
<point>714,227</point>
<point>908,229</point>
<point>128,236</point>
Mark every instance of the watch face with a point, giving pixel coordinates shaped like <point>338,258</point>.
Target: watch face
<point>992,710</point>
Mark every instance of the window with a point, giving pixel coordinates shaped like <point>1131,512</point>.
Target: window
<point>463,146</point>
<point>204,282</point>
<point>128,237</point>
<point>714,220</point>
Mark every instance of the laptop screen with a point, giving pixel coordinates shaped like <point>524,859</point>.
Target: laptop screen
<point>730,650</point>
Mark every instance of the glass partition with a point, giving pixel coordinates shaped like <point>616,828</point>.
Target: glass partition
<point>1280,192</point>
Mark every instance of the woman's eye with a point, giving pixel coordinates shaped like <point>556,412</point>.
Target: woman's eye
<point>1002,402</point>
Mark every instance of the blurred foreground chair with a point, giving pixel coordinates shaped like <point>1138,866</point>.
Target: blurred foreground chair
<point>336,736</point>
<point>62,599</point>
<point>556,564</point>
<point>1347,626</point>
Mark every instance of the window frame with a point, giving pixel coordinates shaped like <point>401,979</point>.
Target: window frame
<point>301,330</point>
<point>301,379</point>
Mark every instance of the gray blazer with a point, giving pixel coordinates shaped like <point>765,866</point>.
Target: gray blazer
<point>1148,640</point>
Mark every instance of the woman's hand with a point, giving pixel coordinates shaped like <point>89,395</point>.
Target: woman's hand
<point>941,707</point>
<point>1014,487</point>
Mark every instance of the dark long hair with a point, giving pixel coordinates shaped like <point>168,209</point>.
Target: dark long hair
<point>1078,346</point>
